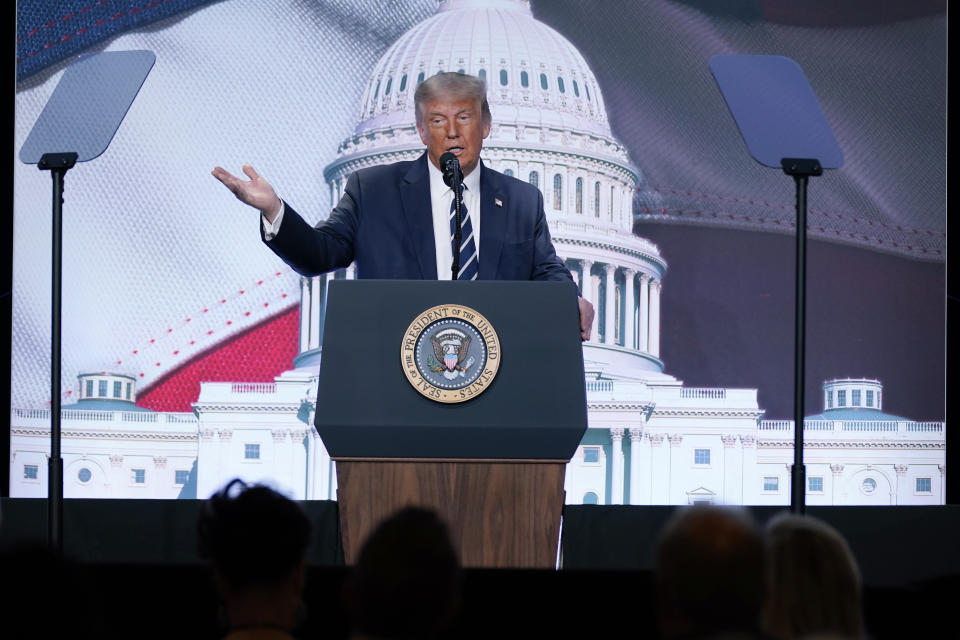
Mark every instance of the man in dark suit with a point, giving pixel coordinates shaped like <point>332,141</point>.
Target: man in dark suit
<point>394,220</point>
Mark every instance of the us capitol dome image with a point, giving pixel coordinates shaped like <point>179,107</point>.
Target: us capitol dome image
<point>550,129</point>
<point>650,439</point>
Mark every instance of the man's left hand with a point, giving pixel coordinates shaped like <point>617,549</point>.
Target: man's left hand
<point>586,318</point>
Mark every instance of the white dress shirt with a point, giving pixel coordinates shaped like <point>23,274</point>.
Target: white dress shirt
<point>440,198</point>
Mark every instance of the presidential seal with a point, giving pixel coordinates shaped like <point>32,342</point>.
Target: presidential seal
<point>450,353</point>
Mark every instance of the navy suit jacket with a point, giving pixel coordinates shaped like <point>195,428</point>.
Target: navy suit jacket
<point>384,222</point>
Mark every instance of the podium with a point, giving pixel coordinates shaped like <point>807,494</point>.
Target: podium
<point>490,455</point>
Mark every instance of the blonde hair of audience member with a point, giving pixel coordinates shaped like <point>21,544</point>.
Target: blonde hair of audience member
<point>815,588</point>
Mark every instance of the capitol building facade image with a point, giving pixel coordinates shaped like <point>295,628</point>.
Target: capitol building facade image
<point>650,438</point>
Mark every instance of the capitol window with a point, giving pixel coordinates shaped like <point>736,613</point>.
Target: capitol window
<point>543,81</point>
<point>587,88</point>
<point>869,398</point>
<point>841,398</point>
<point>420,77</point>
<point>30,471</point>
<point>117,389</point>
<point>855,398</point>
<point>579,195</point>
<point>590,498</point>
<point>524,79</point>
<point>503,77</point>
<point>482,74</point>
<point>376,92</point>
<point>701,456</point>
<point>868,486</point>
<point>84,475</point>
<point>557,191</point>
<point>508,172</point>
<point>251,451</point>
<point>771,484</point>
<point>576,89</point>
<point>129,389</point>
<point>534,179</point>
<point>924,485</point>
<point>815,484</point>
<point>560,85</point>
<point>102,388</point>
<point>611,202</point>
<point>138,476</point>
<point>829,399</point>
<point>591,455</point>
<point>386,91</point>
<point>403,83</point>
<point>181,476</point>
<point>89,388</point>
<point>596,200</point>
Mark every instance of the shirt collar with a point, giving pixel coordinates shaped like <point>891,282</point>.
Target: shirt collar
<point>439,188</point>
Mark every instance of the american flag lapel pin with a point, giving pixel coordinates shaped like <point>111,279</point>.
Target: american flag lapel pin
<point>498,202</point>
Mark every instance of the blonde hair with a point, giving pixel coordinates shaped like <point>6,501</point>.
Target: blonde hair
<point>455,86</point>
<point>815,585</point>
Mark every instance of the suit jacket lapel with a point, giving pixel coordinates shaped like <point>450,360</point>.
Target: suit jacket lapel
<point>415,198</point>
<point>493,223</point>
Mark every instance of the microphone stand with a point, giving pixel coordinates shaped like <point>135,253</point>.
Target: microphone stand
<point>456,179</point>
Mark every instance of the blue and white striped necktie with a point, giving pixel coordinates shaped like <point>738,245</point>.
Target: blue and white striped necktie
<point>469,265</point>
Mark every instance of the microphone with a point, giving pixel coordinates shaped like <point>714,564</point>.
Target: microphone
<point>453,178</point>
<point>450,166</point>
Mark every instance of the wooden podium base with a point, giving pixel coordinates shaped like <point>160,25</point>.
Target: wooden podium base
<point>500,513</point>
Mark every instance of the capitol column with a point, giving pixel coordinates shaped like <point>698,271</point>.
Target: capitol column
<point>576,277</point>
<point>903,487</point>
<point>643,313</point>
<point>584,279</point>
<point>629,340</point>
<point>732,470</point>
<point>655,318</point>
<point>638,455</point>
<point>749,475</point>
<point>591,288</point>
<point>616,472</point>
<point>311,465</point>
<point>837,472</point>
<point>677,467</point>
<point>317,283</point>
<point>659,470</point>
<point>610,305</point>
<point>304,313</point>
<point>298,460</point>
<point>586,292</point>
<point>281,456</point>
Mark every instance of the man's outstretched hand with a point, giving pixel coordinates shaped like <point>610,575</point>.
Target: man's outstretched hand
<point>586,318</point>
<point>255,192</point>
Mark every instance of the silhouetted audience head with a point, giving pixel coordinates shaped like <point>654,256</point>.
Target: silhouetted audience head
<point>815,587</point>
<point>406,583</point>
<point>256,539</point>
<point>709,573</point>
